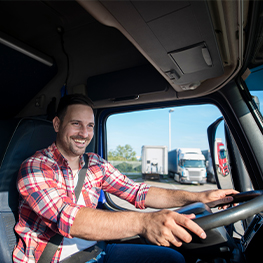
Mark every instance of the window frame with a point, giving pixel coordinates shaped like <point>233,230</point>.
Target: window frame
<point>222,99</point>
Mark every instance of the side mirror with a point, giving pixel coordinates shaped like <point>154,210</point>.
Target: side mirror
<point>233,173</point>
<point>236,175</point>
<point>211,133</point>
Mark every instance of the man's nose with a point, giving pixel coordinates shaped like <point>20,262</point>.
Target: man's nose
<point>84,132</point>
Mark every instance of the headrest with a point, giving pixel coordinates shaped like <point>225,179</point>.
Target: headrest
<point>7,128</point>
<point>29,136</point>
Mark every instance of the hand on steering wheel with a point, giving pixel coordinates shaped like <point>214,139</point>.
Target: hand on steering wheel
<point>253,205</point>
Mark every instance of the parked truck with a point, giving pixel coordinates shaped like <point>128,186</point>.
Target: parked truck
<point>187,165</point>
<point>220,161</point>
<point>221,158</point>
<point>154,162</point>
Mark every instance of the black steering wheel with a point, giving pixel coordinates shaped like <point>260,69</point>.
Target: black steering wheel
<point>253,205</point>
<point>217,239</point>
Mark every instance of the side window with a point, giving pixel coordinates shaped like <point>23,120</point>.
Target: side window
<point>165,147</point>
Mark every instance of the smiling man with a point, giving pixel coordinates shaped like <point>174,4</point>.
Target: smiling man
<point>48,204</point>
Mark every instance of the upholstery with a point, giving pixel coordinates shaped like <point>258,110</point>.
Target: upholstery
<point>29,136</point>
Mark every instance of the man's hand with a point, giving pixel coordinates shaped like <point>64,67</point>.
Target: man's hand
<point>214,198</point>
<point>167,227</point>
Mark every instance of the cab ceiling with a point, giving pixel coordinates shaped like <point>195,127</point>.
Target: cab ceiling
<point>194,45</point>
<point>173,47</point>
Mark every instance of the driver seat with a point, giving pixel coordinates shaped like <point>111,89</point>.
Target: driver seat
<point>30,135</point>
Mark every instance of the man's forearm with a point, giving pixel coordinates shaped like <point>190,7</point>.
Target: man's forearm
<point>169,198</point>
<point>164,227</point>
<point>95,224</point>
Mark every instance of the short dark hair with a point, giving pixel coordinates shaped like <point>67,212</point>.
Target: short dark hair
<point>72,99</point>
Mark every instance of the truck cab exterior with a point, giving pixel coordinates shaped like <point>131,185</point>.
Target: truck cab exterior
<point>187,165</point>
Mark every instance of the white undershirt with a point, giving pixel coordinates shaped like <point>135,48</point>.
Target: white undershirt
<point>73,245</point>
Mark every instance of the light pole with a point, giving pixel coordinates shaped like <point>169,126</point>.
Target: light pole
<point>170,136</point>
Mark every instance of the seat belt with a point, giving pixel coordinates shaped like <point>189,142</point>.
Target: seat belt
<point>55,241</point>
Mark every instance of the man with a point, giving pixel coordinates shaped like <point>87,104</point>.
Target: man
<point>48,204</point>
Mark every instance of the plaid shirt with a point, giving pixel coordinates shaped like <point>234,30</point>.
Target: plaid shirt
<point>48,203</point>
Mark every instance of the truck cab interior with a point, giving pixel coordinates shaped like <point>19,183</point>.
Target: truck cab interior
<point>129,57</point>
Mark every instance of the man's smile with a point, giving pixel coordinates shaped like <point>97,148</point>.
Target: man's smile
<point>79,140</point>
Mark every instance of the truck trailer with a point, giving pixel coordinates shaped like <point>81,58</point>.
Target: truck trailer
<point>187,165</point>
<point>154,162</point>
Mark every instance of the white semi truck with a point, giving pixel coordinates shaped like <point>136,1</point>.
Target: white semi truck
<point>154,161</point>
<point>187,165</point>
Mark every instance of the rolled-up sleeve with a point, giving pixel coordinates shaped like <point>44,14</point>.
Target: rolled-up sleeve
<point>120,185</point>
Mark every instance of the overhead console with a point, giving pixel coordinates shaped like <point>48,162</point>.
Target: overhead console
<point>177,36</point>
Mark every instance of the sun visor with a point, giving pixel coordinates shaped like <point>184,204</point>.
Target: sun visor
<point>126,84</point>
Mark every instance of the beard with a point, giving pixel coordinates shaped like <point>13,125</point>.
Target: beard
<point>77,151</point>
<point>70,148</point>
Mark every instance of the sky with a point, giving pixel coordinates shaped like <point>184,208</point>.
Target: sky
<point>188,127</point>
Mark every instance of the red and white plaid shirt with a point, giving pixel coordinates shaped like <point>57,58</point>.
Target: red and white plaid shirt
<point>48,203</point>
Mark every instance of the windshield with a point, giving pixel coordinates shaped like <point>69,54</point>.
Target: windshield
<point>223,154</point>
<point>193,164</point>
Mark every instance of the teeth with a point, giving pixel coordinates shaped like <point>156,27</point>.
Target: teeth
<point>79,141</point>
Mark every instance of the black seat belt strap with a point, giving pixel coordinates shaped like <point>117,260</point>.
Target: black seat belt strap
<point>55,241</point>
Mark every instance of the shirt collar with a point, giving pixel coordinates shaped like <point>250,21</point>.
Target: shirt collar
<point>60,158</point>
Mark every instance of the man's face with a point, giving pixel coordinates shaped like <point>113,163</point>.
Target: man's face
<point>75,132</point>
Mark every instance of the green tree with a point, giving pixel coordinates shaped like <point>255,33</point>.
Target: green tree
<point>122,153</point>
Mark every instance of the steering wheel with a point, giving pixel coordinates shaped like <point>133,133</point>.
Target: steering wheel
<point>253,205</point>
<point>217,238</point>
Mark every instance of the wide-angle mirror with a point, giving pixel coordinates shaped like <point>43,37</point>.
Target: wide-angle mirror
<point>219,165</point>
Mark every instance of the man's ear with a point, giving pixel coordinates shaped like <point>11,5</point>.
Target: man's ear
<point>56,123</point>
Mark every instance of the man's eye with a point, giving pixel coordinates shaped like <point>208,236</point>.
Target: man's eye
<point>75,123</point>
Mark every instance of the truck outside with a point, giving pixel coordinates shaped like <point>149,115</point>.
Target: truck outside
<point>187,165</point>
<point>154,162</point>
<point>220,158</point>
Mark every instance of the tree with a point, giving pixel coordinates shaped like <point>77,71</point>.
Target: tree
<point>122,153</point>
